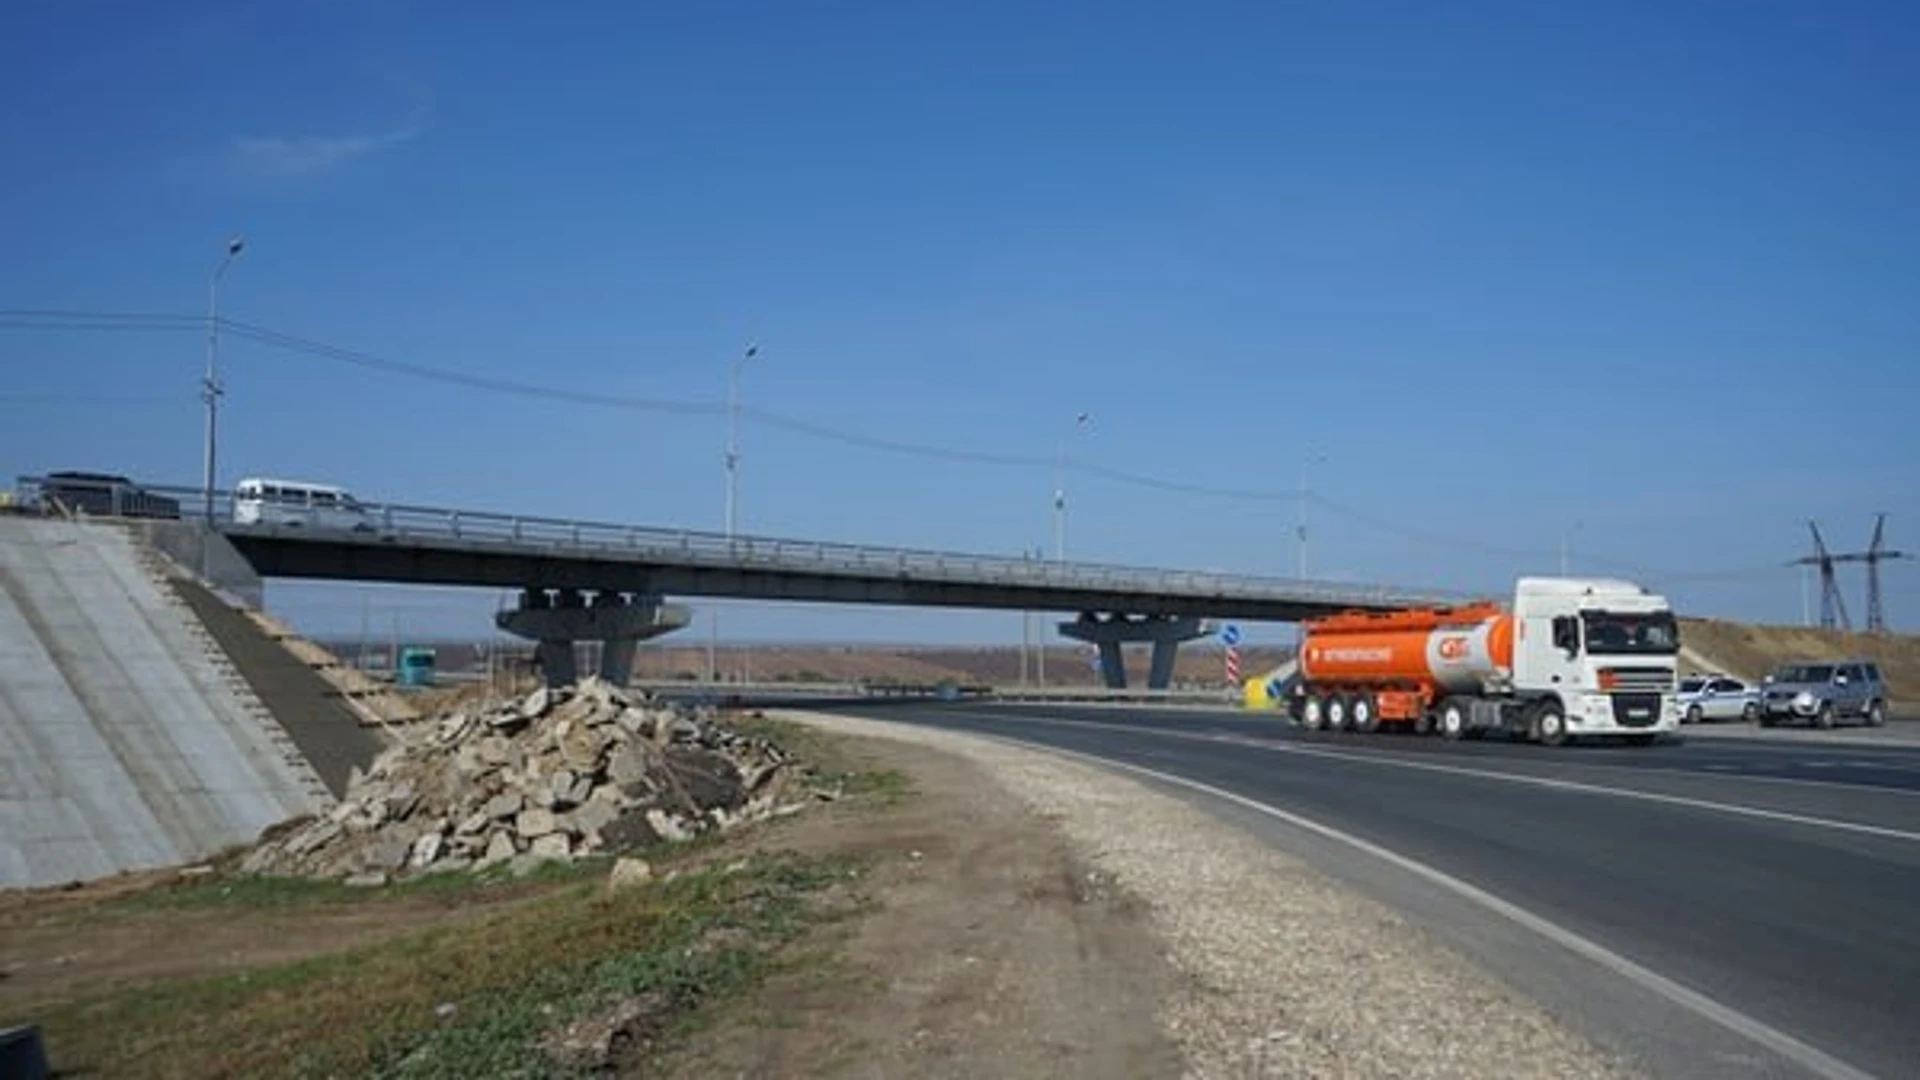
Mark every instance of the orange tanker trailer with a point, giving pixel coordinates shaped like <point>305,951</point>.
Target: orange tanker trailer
<point>1570,657</point>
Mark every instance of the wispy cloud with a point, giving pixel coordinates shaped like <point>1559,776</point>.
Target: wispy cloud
<point>309,155</point>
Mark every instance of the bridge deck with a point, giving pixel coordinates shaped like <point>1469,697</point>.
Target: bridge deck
<point>439,546</point>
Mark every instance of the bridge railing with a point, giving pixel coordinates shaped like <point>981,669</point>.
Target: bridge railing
<point>402,522</point>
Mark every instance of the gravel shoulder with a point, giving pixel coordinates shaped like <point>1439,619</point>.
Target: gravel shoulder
<point>1274,969</point>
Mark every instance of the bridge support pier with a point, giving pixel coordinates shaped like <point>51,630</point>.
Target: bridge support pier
<point>559,618</point>
<point>1109,632</point>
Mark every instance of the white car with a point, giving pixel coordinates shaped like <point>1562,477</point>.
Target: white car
<point>1716,697</point>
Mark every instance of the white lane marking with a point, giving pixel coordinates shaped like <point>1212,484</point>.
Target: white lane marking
<point>1616,792</point>
<point>1806,1055</point>
<point>1552,783</point>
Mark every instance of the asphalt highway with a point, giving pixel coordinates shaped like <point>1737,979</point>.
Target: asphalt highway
<point>1716,907</point>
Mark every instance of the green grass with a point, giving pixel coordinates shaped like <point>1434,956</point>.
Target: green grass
<point>268,892</point>
<point>511,977</point>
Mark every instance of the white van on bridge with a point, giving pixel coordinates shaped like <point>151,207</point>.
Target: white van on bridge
<point>266,501</point>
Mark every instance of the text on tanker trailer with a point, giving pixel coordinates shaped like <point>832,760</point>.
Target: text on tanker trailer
<point>1572,657</point>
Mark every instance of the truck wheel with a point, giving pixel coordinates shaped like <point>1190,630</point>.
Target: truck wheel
<point>1424,723</point>
<point>1824,718</point>
<point>1313,712</point>
<point>1548,725</point>
<point>1453,720</point>
<point>1337,714</point>
<point>1364,717</point>
<point>1876,714</point>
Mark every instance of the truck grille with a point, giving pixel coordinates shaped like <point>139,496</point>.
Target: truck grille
<point>1640,680</point>
<point>1636,710</point>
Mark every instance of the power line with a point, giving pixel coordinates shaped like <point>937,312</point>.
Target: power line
<point>30,318</point>
<point>291,343</point>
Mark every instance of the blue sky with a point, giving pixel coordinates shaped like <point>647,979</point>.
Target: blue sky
<point>1635,276</point>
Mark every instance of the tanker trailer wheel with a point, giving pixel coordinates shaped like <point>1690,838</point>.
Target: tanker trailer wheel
<point>1339,716</point>
<point>1365,712</point>
<point>1313,712</point>
<point>1548,726</point>
<point>1453,720</point>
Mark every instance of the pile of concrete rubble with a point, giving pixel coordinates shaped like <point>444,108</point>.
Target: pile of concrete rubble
<point>562,773</point>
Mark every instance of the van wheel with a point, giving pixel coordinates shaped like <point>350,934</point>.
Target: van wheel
<point>1876,714</point>
<point>1337,715</point>
<point>1824,718</point>
<point>1548,726</point>
<point>1453,720</point>
<point>1364,716</point>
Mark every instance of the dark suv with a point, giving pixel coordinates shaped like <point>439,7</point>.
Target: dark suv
<point>102,495</point>
<point>1824,693</point>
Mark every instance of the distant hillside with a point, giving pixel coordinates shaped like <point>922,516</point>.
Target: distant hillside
<point>1752,651</point>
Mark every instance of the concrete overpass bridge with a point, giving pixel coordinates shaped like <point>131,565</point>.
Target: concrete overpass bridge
<point>584,580</point>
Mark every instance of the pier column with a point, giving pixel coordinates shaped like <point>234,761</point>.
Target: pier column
<point>558,619</point>
<point>1108,632</point>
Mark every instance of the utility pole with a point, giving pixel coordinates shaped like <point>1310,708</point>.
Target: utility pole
<point>1563,550</point>
<point>1310,459</point>
<point>1876,554</point>
<point>1060,491</point>
<point>210,389</point>
<point>1831,604</point>
<point>360,654</point>
<point>1026,630</point>
<point>1833,609</point>
<point>1040,654</point>
<point>732,457</point>
<point>713,648</point>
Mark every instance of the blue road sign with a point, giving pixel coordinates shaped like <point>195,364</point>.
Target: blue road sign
<point>1274,689</point>
<point>1230,635</point>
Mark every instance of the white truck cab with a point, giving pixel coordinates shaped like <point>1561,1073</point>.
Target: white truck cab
<point>1606,649</point>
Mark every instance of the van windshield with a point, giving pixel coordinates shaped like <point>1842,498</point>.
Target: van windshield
<point>1609,633</point>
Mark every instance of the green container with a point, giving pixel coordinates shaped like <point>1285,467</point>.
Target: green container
<point>416,666</point>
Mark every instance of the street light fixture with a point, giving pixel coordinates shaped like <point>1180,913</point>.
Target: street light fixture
<point>210,389</point>
<point>732,457</point>
<point>1060,491</point>
<point>1310,459</point>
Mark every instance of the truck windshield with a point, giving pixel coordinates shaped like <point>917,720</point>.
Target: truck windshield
<point>1614,633</point>
<point>1807,673</point>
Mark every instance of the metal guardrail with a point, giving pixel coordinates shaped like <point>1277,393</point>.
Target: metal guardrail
<point>399,522</point>
<point>960,691</point>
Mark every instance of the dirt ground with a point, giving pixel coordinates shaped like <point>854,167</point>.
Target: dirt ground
<point>989,950</point>
<point>982,947</point>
